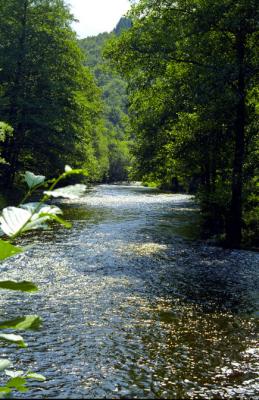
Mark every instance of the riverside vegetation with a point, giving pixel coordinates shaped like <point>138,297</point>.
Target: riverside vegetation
<point>170,98</point>
<point>188,121</point>
<point>50,97</point>
<point>192,73</point>
<point>14,222</point>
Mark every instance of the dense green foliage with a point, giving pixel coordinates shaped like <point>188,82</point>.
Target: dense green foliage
<point>46,94</point>
<point>191,72</point>
<point>115,140</point>
<point>5,132</point>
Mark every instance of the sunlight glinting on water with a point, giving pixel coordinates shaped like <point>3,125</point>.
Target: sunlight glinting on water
<point>132,306</point>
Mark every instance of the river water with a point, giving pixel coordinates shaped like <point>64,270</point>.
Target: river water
<point>133,306</point>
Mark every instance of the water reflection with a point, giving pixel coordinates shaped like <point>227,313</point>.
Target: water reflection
<point>133,309</point>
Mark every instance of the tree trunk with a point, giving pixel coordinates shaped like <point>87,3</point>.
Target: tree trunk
<point>234,224</point>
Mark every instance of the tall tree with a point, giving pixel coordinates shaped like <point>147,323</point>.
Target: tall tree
<point>47,95</point>
<point>191,69</point>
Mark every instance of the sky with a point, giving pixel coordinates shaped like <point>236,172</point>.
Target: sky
<point>97,16</point>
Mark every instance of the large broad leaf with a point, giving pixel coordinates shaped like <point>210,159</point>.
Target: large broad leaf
<point>23,286</point>
<point>22,323</point>
<point>13,219</point>
<point>44,213</point>
<point>41,208</point>
<point>21,219</point>
<point>68,192</point>
<point>33,180</point>
<point>17,383</point>
<point>4,364</point>
<point>37,222</point>
<point>14,339</point>
<point>8,250</point>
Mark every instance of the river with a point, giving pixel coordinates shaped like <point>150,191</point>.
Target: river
<point>134,305</point>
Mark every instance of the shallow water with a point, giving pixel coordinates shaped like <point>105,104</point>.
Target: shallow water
<point>134,305</point>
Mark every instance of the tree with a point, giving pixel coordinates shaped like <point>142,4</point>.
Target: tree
<point>47,95</point>
<point>191,68</point>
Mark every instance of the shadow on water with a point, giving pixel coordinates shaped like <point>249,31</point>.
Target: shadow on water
<point>134,306</point>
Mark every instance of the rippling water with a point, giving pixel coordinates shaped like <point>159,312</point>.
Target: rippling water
<point>134,306</point>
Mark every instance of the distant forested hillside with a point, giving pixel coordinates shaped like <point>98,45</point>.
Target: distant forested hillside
<point>116,136</point>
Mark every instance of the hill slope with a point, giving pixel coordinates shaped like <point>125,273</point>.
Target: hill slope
<point>116,138</point>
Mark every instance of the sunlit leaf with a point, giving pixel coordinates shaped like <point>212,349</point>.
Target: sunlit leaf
<point>5,392</point>
<point>4,364</point>
<point>13,374</point>
<point>8,250</point>
<point>36,377</point>
<point>69,192</point>
<point>13,219</point>
<point>22,323</point>
<point>14,339</point>
<point>23,286</point>
<point>25,218</point>
<point>17,383</point>
<point>41,208</point>
<point>37,222</point>
<point>33,180</point>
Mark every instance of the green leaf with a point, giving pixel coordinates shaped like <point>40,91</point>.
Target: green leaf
<point>8,250</point>
<point>57,219</point>
<point>33,180</point>
<point>11,338</point>
<point>29,216</point>
<point>17,383</point>
<point>5,392</point>
<point>13,219</point>
<point>41,208</point>
<point>36,377</point>
<point>4,364</point>
<point>23,286</point>
<point>68,192</point>
<point>22,323</point>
